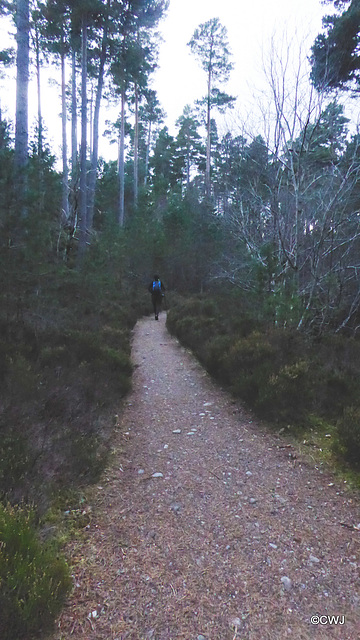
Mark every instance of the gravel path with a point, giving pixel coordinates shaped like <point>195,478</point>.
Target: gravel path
<point>236,539</point>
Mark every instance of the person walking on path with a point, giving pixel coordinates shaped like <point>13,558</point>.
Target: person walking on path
<point>157,289</point>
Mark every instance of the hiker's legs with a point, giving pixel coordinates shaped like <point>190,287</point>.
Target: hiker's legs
<point>157,305</point>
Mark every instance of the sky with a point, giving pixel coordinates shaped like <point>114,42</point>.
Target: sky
<point>250,26</point>
<point>179,80</point>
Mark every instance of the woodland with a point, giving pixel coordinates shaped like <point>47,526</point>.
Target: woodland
<point>257,238</point>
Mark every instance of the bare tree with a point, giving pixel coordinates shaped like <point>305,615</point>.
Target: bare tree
<point>307,206</point>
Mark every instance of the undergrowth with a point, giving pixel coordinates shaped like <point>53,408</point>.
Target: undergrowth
<point>64,369</point>
<point>34,579</point>
<point>289,379</point>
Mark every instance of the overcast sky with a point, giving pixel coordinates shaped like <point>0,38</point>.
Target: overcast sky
<point>179,80</point>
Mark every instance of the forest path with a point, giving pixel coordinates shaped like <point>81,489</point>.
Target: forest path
<point>234,540</point>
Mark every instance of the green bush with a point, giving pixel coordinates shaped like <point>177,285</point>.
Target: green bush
<point>252,351</point>
<point>287,377</point>
<point>87,454</point>
<point>286,396</point>
<point>339,388</point>
<point>348,433</point>
<point>216,349</point>
<point>34,581</point>
<point>248,364</point>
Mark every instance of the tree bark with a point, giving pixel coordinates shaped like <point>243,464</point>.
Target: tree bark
<point>73,114</point>
<point>83,167</point>
<point>95,150</point>
<point>136,144</point>
<point>38,86</point>
<point>147,154</point>
<point>208,139</point>
<point>65,176</point>
<point>121,162</point>
<point>22,86</point>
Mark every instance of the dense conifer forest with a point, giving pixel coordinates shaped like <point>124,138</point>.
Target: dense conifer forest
<point>257,240</point>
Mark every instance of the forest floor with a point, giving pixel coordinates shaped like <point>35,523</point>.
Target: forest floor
<point>205,525</point>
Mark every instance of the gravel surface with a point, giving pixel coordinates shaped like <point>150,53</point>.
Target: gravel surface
<point>206,526</point>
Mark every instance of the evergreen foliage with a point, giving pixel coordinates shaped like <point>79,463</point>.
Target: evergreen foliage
<point>335,60</point>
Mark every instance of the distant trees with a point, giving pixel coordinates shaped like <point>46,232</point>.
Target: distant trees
<point>133,60</point>
<point>189,144</point>
<point>274,213</point>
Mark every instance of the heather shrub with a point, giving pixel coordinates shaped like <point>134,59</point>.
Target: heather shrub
<point>34,581</point>
<point>287,377</point>
<point>86,453</point>
<point>217,348</point>
<point>16,461</point>
<point>286,396</point>
<point>348,434</point>
<point>248,364</point>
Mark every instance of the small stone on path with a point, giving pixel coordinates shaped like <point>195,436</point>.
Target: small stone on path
<point>314,559</point>
<point>286,583</point>
<point>157,475</point>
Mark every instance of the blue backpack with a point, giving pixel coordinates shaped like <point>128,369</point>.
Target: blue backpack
<point>156,286</point>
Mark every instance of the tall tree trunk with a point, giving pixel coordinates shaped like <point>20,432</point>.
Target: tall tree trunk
<point>95,150</point>
<point>121,162</point>
<point>65,176</point>
<point>208,139</point>
<point>147,154</point>
<point>73,114</point>
<point>38,86</point>
<point>22,85</point>
<point>83,167</point>
<point>90,119</point>
<point>136,144</point>
<point>39,119</point>
<point>188,167</point>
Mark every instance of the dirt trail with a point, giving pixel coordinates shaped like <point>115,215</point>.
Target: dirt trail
<point>234,540</point>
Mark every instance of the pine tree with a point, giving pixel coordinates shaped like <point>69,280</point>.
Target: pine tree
<point>188,141</point>
<point>210,46</point>
<point>335,57</point>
